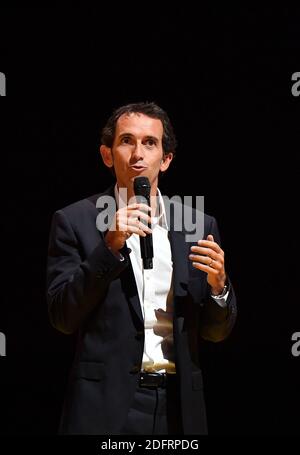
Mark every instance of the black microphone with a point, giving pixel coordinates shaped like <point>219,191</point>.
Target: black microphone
<point>142,189</point>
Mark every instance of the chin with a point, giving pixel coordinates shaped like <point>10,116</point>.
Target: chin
<point>139,174</point>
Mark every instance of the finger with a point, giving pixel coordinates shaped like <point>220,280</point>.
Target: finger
<point>137,230</point>
<point>124,220</point>
<point>205,268</point>
<point>137,224</point>
<point>208,252</point>
<point>134,221</point>
<point>129,229</point>
<point>212,245</point>
<point>144,227</point>
<point>139,214</point>
<point>138,206</point>
<point>212,263</point>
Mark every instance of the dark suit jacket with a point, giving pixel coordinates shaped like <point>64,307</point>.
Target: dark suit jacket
<point>90,290</point>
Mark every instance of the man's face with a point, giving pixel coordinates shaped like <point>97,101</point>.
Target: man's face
<point>137,150</point>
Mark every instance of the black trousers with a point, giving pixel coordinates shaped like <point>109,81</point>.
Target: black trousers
<point>155,411</point>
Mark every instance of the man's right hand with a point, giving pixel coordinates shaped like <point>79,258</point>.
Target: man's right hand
<point>127,222</point>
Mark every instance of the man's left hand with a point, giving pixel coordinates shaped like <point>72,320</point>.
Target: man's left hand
<point>209,257</point>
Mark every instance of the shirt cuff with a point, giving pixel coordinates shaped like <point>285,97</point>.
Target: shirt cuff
<point>221,301</point>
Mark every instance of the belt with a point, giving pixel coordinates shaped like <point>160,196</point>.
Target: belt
<point>155,380</point>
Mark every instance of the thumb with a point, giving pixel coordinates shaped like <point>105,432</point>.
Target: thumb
<point>210,238</point>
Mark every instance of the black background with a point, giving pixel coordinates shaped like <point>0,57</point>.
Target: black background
<point>224,77</point>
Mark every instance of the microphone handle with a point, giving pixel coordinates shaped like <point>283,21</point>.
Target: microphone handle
<point>146,243</point>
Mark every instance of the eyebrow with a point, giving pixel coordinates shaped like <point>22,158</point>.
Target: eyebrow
<point>153,138</point>
<point>125,134</point>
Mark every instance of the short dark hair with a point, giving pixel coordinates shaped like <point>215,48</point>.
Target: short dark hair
<point>151,110</point>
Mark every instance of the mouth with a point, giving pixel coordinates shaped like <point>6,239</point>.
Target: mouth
<point>137,167</point>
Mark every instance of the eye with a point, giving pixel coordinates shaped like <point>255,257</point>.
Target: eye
<point>150,142</point>
<point>126,140</point>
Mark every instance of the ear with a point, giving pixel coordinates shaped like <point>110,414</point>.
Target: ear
<point>106,156</point>
<point>165,162</point>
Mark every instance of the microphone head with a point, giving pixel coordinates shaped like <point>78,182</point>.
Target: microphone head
<point>142,186</point>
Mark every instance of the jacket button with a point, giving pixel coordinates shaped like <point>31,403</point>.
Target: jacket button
<point>139,335</point>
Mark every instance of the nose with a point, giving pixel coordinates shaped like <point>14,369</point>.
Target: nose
<point>138,153</point>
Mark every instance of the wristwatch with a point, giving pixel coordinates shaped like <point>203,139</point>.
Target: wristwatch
<point>223,293</point>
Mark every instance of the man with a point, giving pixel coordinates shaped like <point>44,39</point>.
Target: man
<point>136,370</point>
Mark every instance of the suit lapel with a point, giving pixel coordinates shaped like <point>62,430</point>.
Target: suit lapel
<point>179,247</point>
<point>127,276</point>
<point>130,287</point>
<point>180,251</point>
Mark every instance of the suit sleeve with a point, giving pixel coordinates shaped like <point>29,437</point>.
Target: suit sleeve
<point>76,286</point>
<point>216,322</point>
